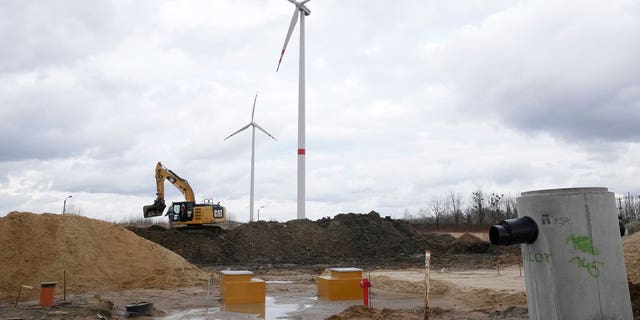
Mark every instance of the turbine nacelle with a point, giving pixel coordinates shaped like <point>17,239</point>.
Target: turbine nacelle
<point>300,6</point>
<point>252,123</point>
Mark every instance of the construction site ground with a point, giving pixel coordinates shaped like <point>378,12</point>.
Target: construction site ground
<point>106,267</point>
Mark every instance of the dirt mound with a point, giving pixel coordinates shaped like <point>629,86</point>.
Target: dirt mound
<point>386,283</point>
<point>360,312</point>
<point>95,255</point>
<point>346,238</point>
<point>631,248</point>
<point>468,243</point>
<point>634,292</point>
<point>438,242</point>
<point>633,227</point>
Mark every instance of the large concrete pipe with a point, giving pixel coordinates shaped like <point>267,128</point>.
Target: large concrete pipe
<point>574,268</point>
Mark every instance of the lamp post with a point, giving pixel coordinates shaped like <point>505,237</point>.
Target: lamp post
<point>259,212</point>
<point>64,204</point>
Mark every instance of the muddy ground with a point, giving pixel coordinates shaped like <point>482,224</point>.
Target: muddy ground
<point>470,279</point>
<point>291,294</point>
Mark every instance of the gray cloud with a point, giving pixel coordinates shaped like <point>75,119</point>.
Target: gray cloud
<point>568,69</point>
<point>404,102</point>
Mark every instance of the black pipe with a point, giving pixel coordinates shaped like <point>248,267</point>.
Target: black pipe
<point>514,231</point>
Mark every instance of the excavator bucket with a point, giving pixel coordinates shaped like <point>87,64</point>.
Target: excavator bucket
<point>155,209</point>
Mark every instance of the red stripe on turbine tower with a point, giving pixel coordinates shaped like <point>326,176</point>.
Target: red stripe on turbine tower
<point>301,151</point>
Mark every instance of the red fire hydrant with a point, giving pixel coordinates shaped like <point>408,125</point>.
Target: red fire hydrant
<point>365,284</point>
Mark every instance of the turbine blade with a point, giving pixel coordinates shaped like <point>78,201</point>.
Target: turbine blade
<point>292,26</point>
<point>263,130</point>
<point>303,2</point>
<point>254,106</point>
<point>247,126</point>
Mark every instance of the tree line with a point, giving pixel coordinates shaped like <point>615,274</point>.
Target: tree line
<point>481,207</point>
<point>629,207</point>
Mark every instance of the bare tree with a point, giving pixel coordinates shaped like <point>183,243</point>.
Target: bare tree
<point>510,208</point>
<point>437,209</point>
<point>495,204</point>
<point>468,215</point>
<point>406,215</point>
<point>454,202</point>
<point>478,207</point>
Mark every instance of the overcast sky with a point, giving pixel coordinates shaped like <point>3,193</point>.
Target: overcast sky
<point>406,101</point>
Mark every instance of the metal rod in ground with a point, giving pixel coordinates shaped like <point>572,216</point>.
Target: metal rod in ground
<point>520,267</point>
<point>19,290</point>
<point>17,297</point>
<point>427,262</point>
<point>64,285</point>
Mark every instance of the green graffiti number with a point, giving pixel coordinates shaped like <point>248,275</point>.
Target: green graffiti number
<point>591,267</point>
<point>583,244</point>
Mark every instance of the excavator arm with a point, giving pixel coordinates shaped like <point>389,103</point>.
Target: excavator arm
<point>162,173</point>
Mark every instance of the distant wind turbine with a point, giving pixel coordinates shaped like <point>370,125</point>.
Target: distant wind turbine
<point>253,126</point>
<point>300,7</point>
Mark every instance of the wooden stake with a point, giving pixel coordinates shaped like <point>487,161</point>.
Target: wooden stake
<point>427,263</point>
<point>18,296</point>
<point>520,267</point>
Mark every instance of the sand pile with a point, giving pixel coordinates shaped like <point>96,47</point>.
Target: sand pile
<point>631,248</point>
<point>96,256</point>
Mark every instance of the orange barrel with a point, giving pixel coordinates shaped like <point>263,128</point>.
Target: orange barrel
<point>47,293</point>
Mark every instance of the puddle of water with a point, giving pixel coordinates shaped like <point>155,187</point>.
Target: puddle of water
<point>281,310</point>
<point>268,310</point>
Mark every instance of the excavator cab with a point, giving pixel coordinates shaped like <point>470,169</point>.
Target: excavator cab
<point>181,212</point>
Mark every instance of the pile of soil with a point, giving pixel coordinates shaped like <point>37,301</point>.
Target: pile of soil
<point>468,243</point>
<point>360,312</point>
<point>634,292</point>
<point>438,242</point>
<point>94,255</point>
<point>631,248</point>
<point>346,238</point>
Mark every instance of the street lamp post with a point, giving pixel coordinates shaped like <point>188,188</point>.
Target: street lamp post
<point>259,212</point>
<point>64,204</point>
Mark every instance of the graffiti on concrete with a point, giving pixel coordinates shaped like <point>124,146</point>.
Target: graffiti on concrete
<point>583,245</point>
<point>539,257</point>
<point>562,221</point>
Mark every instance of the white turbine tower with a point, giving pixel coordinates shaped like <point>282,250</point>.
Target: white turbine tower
<point>300,7</point>
<point>253,126</point>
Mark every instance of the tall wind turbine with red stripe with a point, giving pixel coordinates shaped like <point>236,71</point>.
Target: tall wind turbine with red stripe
<point>253,126</point>
<point>299,7</point>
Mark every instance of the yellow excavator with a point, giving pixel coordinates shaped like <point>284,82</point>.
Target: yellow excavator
<point>184,213</point>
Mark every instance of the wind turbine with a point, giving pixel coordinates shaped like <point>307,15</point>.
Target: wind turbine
<point>253,126</point>
<point>300,7</point>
